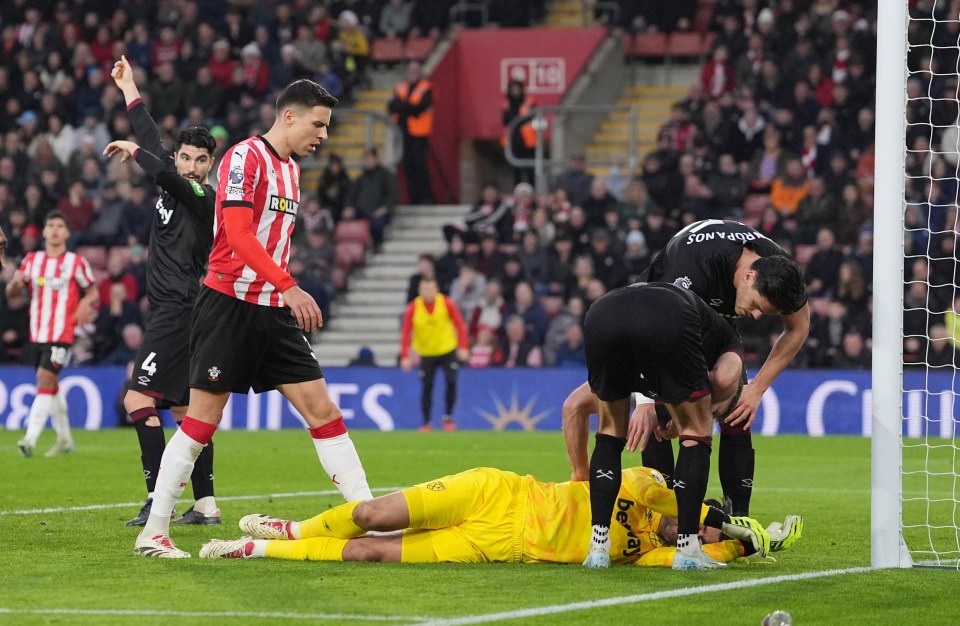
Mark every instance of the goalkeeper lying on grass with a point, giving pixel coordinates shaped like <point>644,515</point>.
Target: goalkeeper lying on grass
<point>489,515</point>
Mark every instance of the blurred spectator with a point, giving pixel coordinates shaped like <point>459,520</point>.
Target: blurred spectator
<point>516,348</point>
<point>663,182</point>
<point>772,225</point>
<point>484,352</point>
<point>426,268</point>
<point>608,263</point>
<point>488,313</point>
<point>824,267</point>
<point>372,196</point>
<point>816,210</point>
<point>851,213</point>
<point>364,358</point>
<point>467,289</point>
<point>656,230</point>
<point>575,181</point>
<point>522,208</point>
<point>728,187</point>
<point>940,351</point>
<point>317,260</point>
<point>768,164</point>
<point>490,215</point>
<point>448,265</point>
<point>78,209</point>
<point>535,262</point>
<point>108,210</point>
<point>395,18</point>
<point>854,354</point>
<point>412,109</point>
<point>531,311</point>
<point>116,313</point>
<point>137,216</point>
<point>489,260</point>
<point>597,202</point>
<point>637,255</point>
<point>126,351</point>
<point>790,189</point>
<point>717,75</point>
<point>569,315</point>
<point>571,352</point>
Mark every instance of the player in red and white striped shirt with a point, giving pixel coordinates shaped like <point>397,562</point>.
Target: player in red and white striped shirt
<point>250,317</point>
<point>56,278</point>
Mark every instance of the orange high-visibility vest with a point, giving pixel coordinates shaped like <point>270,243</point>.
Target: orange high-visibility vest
<point>417,125</point>
<point>527,132</point>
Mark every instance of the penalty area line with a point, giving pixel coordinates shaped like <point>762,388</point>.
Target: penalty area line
<point>411,619</point>
<point>642,597</point>
<point>124,505</point>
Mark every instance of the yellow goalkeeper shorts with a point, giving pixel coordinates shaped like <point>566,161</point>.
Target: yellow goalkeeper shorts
<point>475,516</point>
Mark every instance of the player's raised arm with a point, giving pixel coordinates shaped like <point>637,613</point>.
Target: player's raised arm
<point>145,129</point>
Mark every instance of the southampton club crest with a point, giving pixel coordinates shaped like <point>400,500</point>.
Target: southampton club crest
<point>213,373</point>
<point>683,281</point>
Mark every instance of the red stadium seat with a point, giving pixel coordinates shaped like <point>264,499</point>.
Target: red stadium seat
<point>349,254</point>
<point>685,45</point>
<point>386,50</point>
<point>418,48</point>
<point>96,255</point>
<point>703,16</point>
<point>352,230</point>
<point>645,45</point>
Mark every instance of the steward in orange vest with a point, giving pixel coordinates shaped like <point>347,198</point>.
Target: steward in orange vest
<point>412,109</point>
<point>516,104</point>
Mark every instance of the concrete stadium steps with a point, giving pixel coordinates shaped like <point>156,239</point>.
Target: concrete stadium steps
<point>369,312</point>
<point>567,14</point>
<point>613,135</point>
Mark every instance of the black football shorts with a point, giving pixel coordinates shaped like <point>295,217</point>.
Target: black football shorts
<point>162,367</point>
<point>237,345</point>
<point>647,339</point>
<point>50,356</point>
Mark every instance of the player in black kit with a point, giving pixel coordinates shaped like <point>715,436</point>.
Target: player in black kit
<point>181,237</point>
<point>739,273</point>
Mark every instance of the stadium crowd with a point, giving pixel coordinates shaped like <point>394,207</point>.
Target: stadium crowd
<point>777,133</point>
<point>215,63</point>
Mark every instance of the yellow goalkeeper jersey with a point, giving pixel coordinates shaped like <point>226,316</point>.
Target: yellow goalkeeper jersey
<point>557,522</point>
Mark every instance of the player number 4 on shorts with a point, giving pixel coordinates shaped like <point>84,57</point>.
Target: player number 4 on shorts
<point>148,365</point>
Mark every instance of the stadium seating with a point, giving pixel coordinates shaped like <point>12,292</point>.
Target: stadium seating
<point>352,230</point>
<point>350,254</point>
<point>418,48</point>
<point>386,51</point>
<point>644,45</point>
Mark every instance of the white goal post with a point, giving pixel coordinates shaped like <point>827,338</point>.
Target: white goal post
<point>886,538</point>
<point>915,448</point>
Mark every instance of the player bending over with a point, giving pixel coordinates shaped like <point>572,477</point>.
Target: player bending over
<point>487,515</point>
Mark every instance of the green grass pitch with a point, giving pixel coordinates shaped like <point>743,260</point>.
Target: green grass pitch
<point>76,566</point>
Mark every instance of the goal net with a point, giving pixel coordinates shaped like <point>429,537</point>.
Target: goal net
<point>916,450</point>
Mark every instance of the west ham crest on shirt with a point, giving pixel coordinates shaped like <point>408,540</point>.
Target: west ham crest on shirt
<point>683,281</point>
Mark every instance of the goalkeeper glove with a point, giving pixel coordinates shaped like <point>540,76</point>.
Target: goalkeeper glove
<point>784,535</point>
<point>748,529</point>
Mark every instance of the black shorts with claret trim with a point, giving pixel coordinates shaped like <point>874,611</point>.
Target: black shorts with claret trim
<point>236,346</point>
<point>645,338</point>
<point>52,357</point>
<point>162,367</point>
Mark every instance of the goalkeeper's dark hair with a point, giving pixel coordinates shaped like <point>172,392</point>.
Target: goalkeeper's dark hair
<point>780,281</point>
<point>198,137</point>
<point>305,93</point>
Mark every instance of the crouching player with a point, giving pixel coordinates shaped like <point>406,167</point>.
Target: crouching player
<point>489,515</point>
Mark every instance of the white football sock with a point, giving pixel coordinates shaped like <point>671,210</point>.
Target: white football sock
<point>688,545</point>
<point>600,539</point>
<point>340,460</point>
<point>37,418</point>
<point>176,465</point>
<point>61,418</point>
<point>259,548</point>
<point>205,505</point>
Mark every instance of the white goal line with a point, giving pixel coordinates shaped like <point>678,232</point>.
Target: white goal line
<point>643,597</point>
<point>219,615</point>
<point>125,505</point>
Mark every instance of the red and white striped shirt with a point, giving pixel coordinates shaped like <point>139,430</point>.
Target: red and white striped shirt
<point>55,284</point>
<point>252,175</point>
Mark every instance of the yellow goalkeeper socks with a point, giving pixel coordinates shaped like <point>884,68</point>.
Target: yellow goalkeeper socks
<point>315,549</point>
<point>335,522</point>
